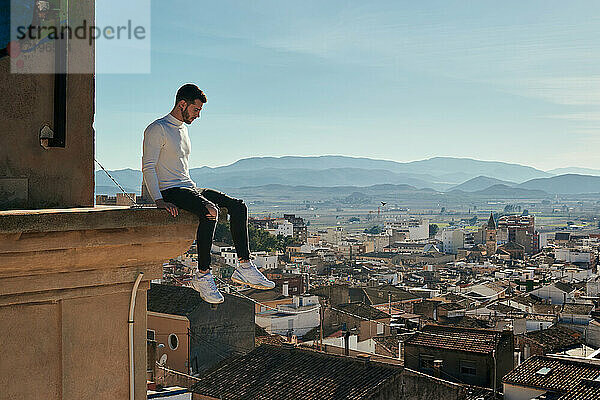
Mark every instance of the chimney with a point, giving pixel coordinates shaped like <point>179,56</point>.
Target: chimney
<point>346,340</point>
<point>365,358</point>
<point>286,289</point>
<point>437,368</point>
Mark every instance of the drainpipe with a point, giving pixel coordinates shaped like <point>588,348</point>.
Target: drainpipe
<point>130,323</point>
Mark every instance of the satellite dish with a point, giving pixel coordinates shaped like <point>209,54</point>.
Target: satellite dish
<point>163,360</point>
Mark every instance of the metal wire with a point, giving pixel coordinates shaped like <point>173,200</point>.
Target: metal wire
<point>133,203</point>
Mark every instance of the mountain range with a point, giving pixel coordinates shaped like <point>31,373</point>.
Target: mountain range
<point>442,174</point>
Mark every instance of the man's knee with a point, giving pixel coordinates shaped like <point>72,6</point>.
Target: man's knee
<point>238,207</point>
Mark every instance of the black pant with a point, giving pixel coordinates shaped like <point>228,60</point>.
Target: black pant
<point>195,200</point>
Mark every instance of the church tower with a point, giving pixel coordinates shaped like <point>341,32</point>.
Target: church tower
<point>491,236</point>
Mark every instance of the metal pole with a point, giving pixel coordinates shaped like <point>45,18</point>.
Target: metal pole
<point>494,356</point>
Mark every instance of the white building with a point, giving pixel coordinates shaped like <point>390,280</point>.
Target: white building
<point>571,255</point>
<point>297,318</point>
<point>556,293</point>
<point>264,260</point>
<point>284,228</point>
<point>260,258</point>
<point>414,229</point>
<point>333,235</point>
<point>452,240</point>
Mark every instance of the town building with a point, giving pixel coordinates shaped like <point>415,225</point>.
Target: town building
<point>554,378</point>
<point>212,334</point>
<point>472,356</point>
<point>299,374</point>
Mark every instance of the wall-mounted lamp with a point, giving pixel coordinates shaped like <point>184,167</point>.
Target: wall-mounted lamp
<point>46,135</point>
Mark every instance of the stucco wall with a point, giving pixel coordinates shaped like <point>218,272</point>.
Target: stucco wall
<point>57,177</point>
<point>411,385</point>
<point>64,348</point>
<point>451,364</point>
<point>219,333</point>
<point>163,326</point>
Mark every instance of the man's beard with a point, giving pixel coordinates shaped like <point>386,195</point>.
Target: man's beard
<point>186,116</point>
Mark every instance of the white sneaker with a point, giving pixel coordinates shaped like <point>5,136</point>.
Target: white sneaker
<point>248,274</point>
<point>204,283</point>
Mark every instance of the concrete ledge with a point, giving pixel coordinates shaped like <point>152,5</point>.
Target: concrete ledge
<point>43,250</point>
<point>104,217</point>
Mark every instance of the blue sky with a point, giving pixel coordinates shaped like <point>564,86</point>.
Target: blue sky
<point>510,81</point>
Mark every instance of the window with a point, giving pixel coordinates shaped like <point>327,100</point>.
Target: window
<point>150,334</point>
<point>543,371</point>
<point>468,368</point>
<point>379,328</point>
<point>173,341</point>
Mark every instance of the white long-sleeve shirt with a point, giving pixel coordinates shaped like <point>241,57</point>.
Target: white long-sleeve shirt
<point>165,156</point>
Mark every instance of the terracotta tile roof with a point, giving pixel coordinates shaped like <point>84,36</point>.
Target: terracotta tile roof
<point>578,309</point>
<point>464,322</point>
<point>552,373</point>
<point>379,294</point>
<point>454,338</point>
<point>556,338</point>
<point>274,340</point>
<point>565,287</point>
<point>265,295</point>
<point>390,343</point>
<point>276,373</point>
<point>586,390</point>
<point>479,393</point>
<point>451,306</point>
<point>174,300</point>
<point>362,310</point>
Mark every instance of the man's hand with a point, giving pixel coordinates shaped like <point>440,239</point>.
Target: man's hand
<point>170,207</point>
<point>213,211</point>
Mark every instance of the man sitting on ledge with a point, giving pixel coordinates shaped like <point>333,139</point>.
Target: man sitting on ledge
<point>165,157</point>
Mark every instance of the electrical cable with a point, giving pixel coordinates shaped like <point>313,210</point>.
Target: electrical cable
<point>133,203</point>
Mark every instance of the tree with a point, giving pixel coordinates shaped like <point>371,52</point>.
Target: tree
<point>223,233</point>
<point>374,230</point>
<point>433,229</point>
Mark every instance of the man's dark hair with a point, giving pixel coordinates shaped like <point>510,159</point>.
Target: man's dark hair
<point>190,93</point>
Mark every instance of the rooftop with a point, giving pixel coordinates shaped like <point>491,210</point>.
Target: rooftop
<point>455,338</point>
<point>362,310</point>
<point>271,372</point>
<point>556,338</point>
<point>552,373</point>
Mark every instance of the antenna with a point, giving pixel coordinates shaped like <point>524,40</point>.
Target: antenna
<point>163,360</point>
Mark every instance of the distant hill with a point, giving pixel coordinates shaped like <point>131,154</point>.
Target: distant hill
<point>504,191</point>
<point>447,170</point>
<point>575,170</point>
<point>480,183</point>
<point>565,184</point>
<point>500,170</point>
<point>130,179</point>
<point>305,176</point>
<point>439,173</point>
